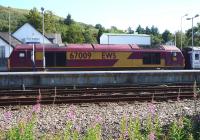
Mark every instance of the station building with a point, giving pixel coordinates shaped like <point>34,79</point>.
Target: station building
<point>26,34</point>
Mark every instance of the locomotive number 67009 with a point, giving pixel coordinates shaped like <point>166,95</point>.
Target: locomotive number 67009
<point>80,55</point>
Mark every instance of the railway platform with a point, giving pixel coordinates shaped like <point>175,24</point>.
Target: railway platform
<point>97,78</point>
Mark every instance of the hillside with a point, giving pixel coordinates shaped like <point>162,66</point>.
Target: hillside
<point>82,33</point>
<point>17,17</point>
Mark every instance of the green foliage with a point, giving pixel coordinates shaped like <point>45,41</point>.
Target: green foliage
<point>167,36</point>
<point>134,129</point>
<point>50,22</point>
<point>83,33</point>
<point>196,127</point>
<point>158,128</point>
<point>140,30</point>
<point>68,20</point>
<point>100,32</point>
<point>70,133</point>
<point>176,131</point>
<point>196,31</point>
<point>88,36</point>
<point>35,18</point>
<point>74,34</point>
<point>123,128</point>
<point>181,129</point>
<point>23,131</point>
<point>114,29</point>
<point>154,31</point>
<point>2,135</point>
<point>93,133</point>
<point>98,26</point>
<point>130,31</point>
<point>156,40</point>
<point>147,31</point>
<point>149,125</point>
<point>17,18</point>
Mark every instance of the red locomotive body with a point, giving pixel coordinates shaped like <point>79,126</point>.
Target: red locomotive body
<point>95,57</point>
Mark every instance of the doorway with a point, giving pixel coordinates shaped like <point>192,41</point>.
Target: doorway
<point>55,59</point>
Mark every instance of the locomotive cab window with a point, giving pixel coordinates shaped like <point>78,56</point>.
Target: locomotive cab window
<point>196,56</point>
<point>151,58</point>
<point>21,54</point>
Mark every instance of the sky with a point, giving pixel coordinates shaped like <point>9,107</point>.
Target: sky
<point>163,14</point>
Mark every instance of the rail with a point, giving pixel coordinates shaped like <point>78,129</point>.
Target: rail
<point>83,95</point>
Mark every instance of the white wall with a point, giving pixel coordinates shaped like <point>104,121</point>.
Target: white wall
<point>125,39</point>
<point>7,48</point>
<point>27,33</point>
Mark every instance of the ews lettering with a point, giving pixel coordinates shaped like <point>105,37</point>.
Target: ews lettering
<point>108,55</point>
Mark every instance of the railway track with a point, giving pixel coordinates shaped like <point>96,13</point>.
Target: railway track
<point>115,94</point>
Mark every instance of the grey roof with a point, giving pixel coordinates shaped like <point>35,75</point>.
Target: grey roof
<point>5,36</point>
<point>55,38</point>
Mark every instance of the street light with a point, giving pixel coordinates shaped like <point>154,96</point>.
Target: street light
<point>181,29</point>
<point>192,28</point>
<point>44,61</point>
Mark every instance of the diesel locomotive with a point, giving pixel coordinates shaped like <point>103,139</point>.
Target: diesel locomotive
<point>95,57</point>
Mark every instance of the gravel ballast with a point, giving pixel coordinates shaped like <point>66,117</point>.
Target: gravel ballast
<point>53,118</point>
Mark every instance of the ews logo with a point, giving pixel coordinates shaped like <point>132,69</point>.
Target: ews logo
<point>108,55</point>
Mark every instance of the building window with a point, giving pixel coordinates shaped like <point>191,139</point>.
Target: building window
<point>2,52</point>
<point>21,54</point>
<point>151,58</point>
<point>196,56</point>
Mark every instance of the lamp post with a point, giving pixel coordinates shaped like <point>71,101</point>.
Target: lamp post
<point>9,30</point>
<point>182,29</point>
<point>43,49</point>
<point>192,28</point>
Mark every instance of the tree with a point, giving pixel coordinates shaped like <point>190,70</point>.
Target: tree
<point>74,34</point>
<point>68,20</point>
<point>100,32</point>
<point>114,29</point>
<point>130,31</point>
<point>140,30</point>
<point>154,30</point>
<point>156,40</point>
<point>98,26</point>
<point>178,39</point>
<point>35,18</point>
<point>166,36</point>
<point>147,30</point>
<point>196,31</point>
<point>88,36</point>
<point>50,22</point>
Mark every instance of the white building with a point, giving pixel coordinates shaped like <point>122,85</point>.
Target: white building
<point>7,43</point>
<point>111,38</point>
<point>28,34</point>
